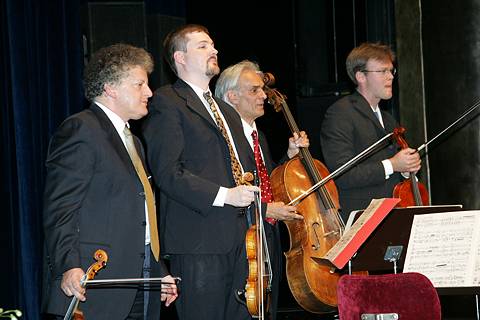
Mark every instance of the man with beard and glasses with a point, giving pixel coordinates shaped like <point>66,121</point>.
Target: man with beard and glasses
<point>195,146</point>
<point>355,122</point>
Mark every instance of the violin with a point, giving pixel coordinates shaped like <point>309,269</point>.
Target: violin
<point>410,191</point>
<point>101,259</point>
<point>259,281</point>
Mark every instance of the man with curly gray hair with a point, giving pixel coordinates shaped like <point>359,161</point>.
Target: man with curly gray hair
<point>97,195</point>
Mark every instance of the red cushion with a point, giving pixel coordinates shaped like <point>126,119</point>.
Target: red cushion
<point>410,295</point>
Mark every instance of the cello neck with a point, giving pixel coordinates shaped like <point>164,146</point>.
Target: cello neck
<point>305,152</point>
<point>307,159</point>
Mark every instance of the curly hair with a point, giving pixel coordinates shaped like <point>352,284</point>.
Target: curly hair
<point>110,64</point>
<point>177,40</point>
<point>357,59</point>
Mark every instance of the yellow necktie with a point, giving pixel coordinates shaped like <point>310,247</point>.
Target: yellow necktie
<point>236,169</point>
<point>152,215</point>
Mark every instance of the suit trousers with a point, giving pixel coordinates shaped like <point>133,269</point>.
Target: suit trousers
<point>209,285</point>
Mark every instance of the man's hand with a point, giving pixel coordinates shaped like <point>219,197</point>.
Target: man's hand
<point>169,290</point>
<point>295,142</point>
<point>406,160</point>
<point>280,211</point>
<point>241,196</point>
<point>71,283</point>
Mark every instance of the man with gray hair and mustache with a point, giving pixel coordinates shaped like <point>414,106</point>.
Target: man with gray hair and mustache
<point>241,85</point>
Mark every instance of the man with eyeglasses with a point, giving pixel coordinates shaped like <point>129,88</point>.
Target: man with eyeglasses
<point>355,122</point>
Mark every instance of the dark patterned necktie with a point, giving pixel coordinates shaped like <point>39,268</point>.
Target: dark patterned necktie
<point>377,114</point>
<point>147,188</point>
<point>236,168</point>
<point>265,187</point>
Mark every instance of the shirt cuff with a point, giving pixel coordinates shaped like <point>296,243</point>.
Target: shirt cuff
<point>220,198</point>
<point>387,166</point>
<point>406,175</point>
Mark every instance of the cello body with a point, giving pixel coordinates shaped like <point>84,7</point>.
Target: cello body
<point>411,192</point>
<point>312,283</point>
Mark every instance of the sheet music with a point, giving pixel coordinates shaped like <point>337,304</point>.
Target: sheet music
<point>445,247</point>
<point>350,220</point>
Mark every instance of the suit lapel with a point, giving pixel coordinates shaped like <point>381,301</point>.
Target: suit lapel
<point>244,150</point>
<point>193,101</point>
<point>388,122</point>
<point>114,139</point>
<point>362,105</point>
<point>266,151</point>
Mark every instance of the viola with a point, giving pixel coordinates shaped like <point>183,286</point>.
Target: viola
<point>312,283</point>
<point>410,191</point>
<point>101,259</point>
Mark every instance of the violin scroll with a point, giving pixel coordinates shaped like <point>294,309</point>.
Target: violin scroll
<point>101,259</point>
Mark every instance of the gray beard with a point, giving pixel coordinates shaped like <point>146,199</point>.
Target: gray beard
<point>212,71</point>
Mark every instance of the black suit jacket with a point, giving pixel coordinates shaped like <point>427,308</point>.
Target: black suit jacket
<point>189,159</point>
<point>349,127</point>
<point>94,200</point>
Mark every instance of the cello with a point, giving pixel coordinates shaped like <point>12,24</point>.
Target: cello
<point>312,283</point>
<point>410,191</point>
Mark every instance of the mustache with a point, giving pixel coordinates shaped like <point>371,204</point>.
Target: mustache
<point>213,58</point>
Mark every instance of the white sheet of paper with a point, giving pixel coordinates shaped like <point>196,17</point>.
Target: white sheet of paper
<point>445,247</point>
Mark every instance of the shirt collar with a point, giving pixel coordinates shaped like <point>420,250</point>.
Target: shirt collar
<point>117,122</point>
<point>199,91</point>
<point>375,108</point>
<point>248,129</point>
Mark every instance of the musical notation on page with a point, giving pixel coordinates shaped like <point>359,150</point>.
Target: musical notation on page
<point>446,248</point>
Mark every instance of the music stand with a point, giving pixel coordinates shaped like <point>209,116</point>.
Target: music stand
<point>394,230</point>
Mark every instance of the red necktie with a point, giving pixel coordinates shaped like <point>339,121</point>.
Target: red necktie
<point>265,188</point>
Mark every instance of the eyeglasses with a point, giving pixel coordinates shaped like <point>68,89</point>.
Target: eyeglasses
<point>384,71</point>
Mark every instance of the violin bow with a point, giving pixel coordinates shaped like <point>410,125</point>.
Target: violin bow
<point>129,280</point>
<point>466,113</point>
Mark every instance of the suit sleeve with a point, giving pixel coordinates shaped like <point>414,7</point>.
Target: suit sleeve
<point>338,135</point>
<point>165,143</point>
<point>70,166</point>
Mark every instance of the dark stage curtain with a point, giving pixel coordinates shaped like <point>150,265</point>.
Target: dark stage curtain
<point>41,63</point>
